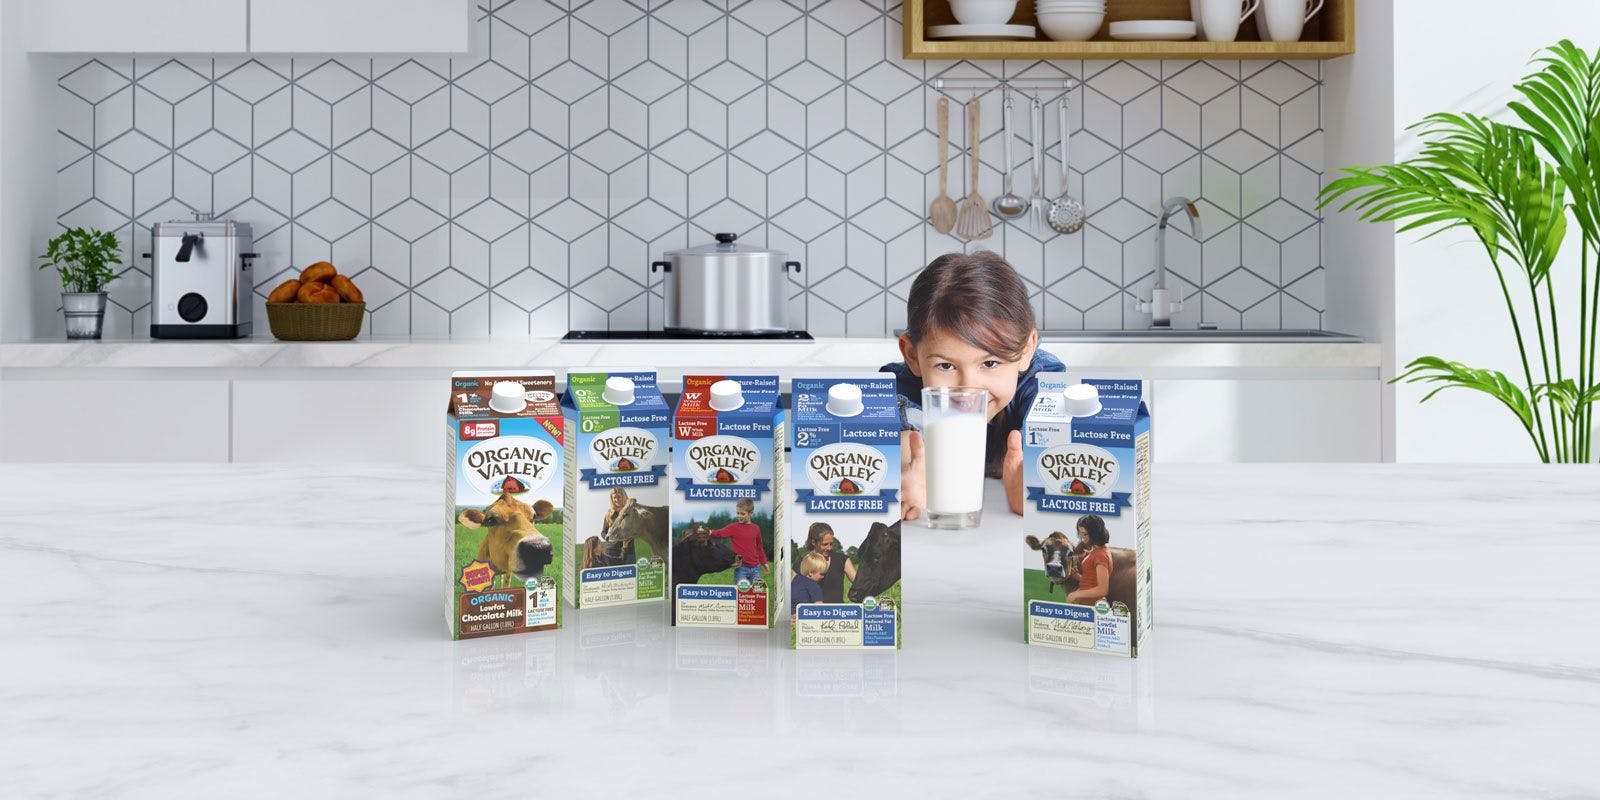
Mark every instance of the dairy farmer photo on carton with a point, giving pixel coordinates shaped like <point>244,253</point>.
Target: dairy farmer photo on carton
<point>969,323</point>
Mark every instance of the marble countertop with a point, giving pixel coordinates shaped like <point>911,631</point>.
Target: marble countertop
<point>1154,359</point>
<point>1321,631</point>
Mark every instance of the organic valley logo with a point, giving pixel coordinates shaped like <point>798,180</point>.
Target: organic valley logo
<point>623,450</point>
<point>847,477</point>
<point>845,469</point>
<point>723,459</point>
<point>510,463</point>
<point>1078,470</point>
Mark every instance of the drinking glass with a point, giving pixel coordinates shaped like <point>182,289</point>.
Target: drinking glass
<point>955,427</point>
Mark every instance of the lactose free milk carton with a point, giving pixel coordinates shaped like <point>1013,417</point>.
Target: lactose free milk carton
<point>1086,461</point>
<point>846,472</point>
<point>616,489</point>
<point>730,557</point>
<point>503,503</point>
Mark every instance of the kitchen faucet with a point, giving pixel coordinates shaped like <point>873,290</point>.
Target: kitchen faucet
<point>1160,306</point>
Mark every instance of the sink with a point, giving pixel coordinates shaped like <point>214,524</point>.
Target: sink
<point>1301,335</point>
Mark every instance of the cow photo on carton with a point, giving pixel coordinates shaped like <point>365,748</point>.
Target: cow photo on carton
<point>728,560</point>
<point>616,488</point>
<point>503,503</point>
<point>845,590</point>
<point>1086,558</point>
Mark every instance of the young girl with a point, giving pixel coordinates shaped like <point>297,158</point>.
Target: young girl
<point>969,323</point>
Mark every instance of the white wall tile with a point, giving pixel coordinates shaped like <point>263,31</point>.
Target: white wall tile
<point>643,132</point>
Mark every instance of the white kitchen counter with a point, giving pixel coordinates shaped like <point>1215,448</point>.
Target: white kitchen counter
<point>1321,631</point>
<point>250,400</point>
<point>247,356</point>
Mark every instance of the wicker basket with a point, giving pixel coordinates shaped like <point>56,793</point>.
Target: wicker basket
<point>315,322</point>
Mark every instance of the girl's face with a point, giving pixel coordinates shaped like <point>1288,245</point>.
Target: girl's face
<point>1083,538</point>
<point>941,359</point>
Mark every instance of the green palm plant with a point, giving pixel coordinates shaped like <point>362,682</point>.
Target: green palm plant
<point>1514,188</point>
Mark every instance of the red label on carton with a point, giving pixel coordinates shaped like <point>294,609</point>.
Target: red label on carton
<point>753,608</point>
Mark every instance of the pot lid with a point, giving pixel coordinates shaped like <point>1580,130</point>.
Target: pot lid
<point>725,245</point>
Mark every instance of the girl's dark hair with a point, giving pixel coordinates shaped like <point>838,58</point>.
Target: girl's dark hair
<point>1093,525</point>
<point>976,296</point>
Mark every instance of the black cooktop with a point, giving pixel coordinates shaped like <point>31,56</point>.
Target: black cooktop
<point>667,336</point>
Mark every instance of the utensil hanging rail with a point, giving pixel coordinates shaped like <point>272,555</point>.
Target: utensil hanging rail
<point>1065,82</point>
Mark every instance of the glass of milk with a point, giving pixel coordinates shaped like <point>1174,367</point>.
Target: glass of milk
<point>955,421</point>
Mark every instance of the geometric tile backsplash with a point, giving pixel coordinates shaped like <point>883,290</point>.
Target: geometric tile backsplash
<point>526,189</point>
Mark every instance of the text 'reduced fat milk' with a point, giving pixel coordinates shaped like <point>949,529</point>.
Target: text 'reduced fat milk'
<point>616,489</point>
<point>1086,462</point>
<point>503,502</point>
<point>845,525</point>
<point>730,559</point>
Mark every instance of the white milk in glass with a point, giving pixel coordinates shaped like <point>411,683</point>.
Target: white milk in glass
<point>953,449</point>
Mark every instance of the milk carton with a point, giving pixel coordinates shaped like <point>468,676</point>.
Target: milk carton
<point>616,489</point>
<point>503,503</point>
<point>846,471</point>
<point>730,559</point>
<point>1086,462</point>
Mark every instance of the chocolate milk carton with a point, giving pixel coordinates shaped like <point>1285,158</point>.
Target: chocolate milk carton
<point>846,515</point>
<point>616,489</point>
<point>1086,552</point>
<point>503,502</point>
<point>730,557</point>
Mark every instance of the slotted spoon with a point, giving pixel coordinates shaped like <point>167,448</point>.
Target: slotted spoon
<point>972,222</point>
<point>942,211</point>
<point>1066,213</point>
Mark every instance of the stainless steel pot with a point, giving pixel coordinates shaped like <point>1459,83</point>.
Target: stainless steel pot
<point>726,288</point>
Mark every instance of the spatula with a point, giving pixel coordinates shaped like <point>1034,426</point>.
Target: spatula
<point>942,211</point>
<point>972,222</point>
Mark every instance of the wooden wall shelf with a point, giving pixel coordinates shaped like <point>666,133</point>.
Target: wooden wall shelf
<point>1330,34</point>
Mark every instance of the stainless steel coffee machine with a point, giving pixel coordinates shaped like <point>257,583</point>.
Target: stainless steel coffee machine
<point>200,282</point>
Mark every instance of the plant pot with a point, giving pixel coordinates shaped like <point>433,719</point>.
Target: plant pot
<point>85,312</point>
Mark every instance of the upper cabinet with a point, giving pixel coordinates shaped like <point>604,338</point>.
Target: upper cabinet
<point>147,26</point>
<point>359,26</point>
<point>249,26</point>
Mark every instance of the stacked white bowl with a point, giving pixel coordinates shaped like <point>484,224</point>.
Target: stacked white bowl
<point>1070,20</point>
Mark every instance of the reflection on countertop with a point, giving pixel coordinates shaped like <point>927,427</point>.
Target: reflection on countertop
<point>1319,627</point>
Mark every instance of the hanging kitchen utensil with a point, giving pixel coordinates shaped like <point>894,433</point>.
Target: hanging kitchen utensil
<point>973,223</point>
<point>942,211</point>
<point>1066,213</point>
<point>1037,203</point>
<point>1008,205</point>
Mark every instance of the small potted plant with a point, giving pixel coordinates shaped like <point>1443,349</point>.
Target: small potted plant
<point>84,258</point>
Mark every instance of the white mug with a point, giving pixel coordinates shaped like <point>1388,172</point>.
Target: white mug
<point>1220,19</point>
<point>1194,14</point>
<point>1283,20</point>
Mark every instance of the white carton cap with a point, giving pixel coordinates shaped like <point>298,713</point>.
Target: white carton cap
<point>508,397</point>
<point>618,391</point>
<point>844,400</point>
<point>1081,400</point>
<point>726,395</point>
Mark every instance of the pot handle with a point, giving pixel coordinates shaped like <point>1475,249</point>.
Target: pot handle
<point>664,266</point>
<point>788,264</point>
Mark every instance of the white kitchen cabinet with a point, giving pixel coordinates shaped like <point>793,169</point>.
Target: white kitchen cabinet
<point>1214,421</point>
<point>359,26</point>
<point>113,421</point>
<point>146,26</point>
<point>338,421</point>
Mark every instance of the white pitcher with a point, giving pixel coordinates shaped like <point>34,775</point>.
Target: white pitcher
<point>1219,20</point>
<point>1284,20</point>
